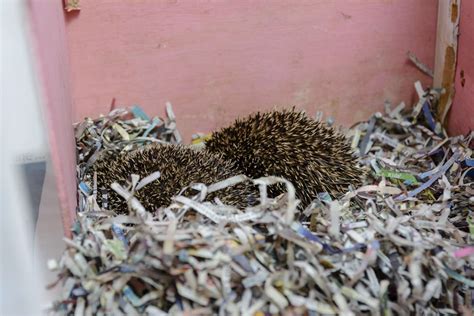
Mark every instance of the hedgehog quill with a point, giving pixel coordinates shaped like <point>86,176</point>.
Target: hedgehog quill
<point>179,167</point>
<point>313,156</point>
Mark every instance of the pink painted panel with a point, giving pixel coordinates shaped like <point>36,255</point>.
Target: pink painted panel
<point>215,60</point>
<point>461,118</point>
<point>48,28</point>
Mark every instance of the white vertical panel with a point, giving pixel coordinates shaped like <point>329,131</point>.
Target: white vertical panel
<point>22,139</point>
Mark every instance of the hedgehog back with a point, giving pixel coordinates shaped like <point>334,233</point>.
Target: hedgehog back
<point>179,167</point>
<point>313,156</point>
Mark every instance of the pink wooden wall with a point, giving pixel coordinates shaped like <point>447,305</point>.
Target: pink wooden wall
<point>461,118</point>
<point>48,29</point>
<point>215,60</point>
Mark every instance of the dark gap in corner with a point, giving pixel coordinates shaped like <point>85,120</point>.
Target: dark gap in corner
<point>34,175</point>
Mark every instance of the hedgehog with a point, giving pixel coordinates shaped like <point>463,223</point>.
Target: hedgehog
<point>310,154</point>
<point>179,166</point>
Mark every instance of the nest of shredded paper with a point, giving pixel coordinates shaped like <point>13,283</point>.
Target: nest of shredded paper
<point>400,244</point>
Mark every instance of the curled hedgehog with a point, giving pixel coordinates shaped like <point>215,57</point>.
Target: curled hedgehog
<point>310,154</point>
<point>179,166</point>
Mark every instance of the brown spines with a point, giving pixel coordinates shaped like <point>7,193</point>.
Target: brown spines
<point>179,167</point>
<point>313,156</point>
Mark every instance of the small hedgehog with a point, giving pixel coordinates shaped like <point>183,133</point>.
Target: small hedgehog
<point>289,144</point>
<point>179,167</point>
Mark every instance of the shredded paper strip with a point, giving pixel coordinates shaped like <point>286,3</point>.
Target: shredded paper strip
<point>400,244</point>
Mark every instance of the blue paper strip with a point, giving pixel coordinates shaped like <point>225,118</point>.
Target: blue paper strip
<point>365,140</point>
<point>324,196</point>
<point>127,269</point>
<point>76,227</point>
<point>428,183</point>
<point>306,233</point>
<point>132,297</point>
<point>428,116</point>
<point>138,112</point>
<point>469,162</point>
<point>153,124</point>
<point>85,188</point>
<point>459,277</point>
<point>119,233</point>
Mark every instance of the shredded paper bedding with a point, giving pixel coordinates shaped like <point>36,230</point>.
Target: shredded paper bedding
<point>402,243</point>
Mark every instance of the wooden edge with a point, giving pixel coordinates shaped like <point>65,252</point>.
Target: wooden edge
<point>446,53</point>
<point>47,28</point>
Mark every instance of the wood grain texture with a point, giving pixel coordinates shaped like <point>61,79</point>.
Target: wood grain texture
<point>214,60</point>
<point>461,117</point>
<point>446,51</point>
<point>48,28</point>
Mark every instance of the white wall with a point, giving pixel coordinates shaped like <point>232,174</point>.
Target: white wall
<point>23,139</point>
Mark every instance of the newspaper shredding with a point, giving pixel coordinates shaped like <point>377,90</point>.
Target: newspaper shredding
<point>403,243</point>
